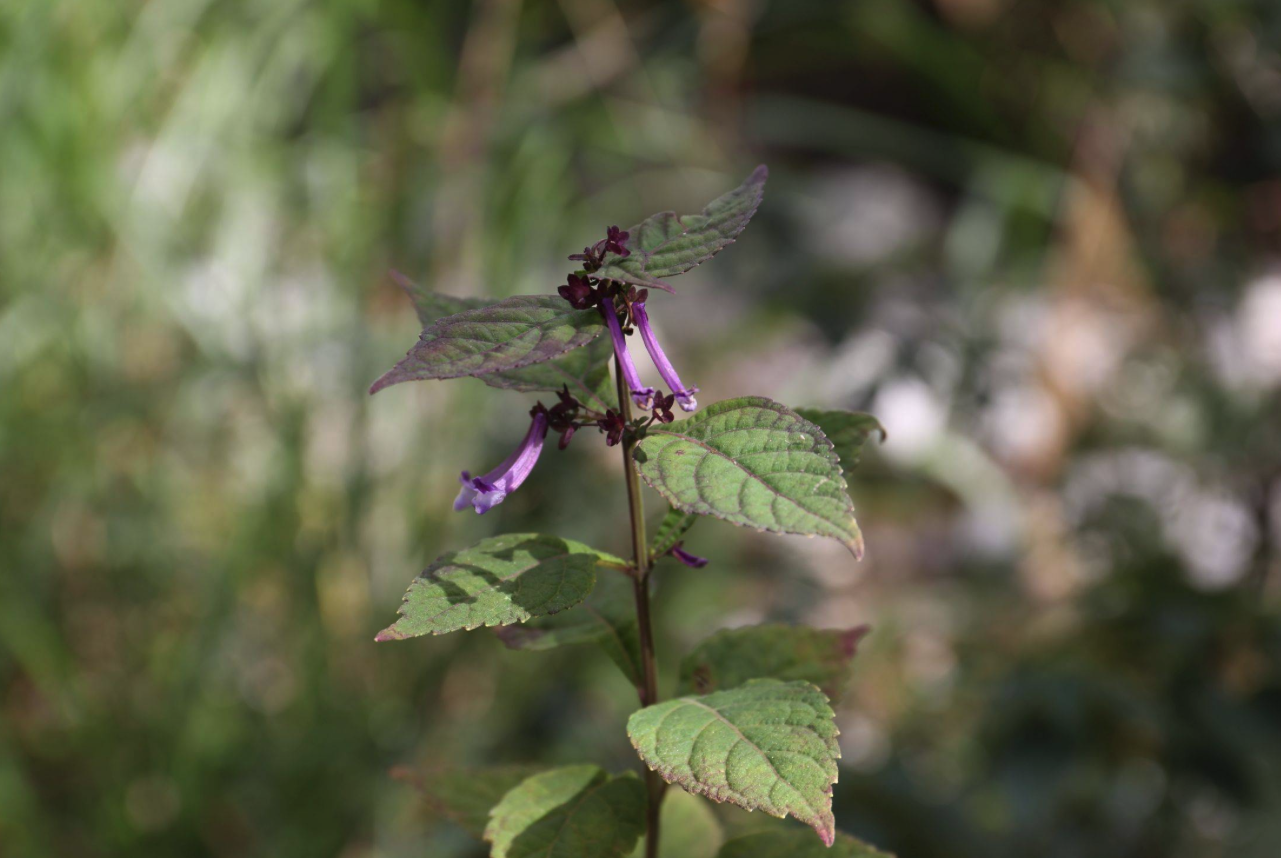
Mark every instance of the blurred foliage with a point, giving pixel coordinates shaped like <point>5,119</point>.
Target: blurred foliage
<point>1038,240</point>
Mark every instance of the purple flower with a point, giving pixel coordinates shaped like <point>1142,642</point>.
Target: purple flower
<point>684,395</point>
<point>641,395</point>
<point>613,426</point>
<point>663,407</point>
<point>614,241</point>
<point>485,493</point>
<point>578,292</point>
<point>691,560</point>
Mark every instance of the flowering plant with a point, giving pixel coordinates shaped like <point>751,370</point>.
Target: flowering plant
<point>752,723</point>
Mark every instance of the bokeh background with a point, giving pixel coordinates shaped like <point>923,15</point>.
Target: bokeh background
<point>1037,238</point>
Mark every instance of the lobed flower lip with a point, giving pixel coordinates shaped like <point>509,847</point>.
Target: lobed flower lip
<point>684,395</point>
<point>486,492</point>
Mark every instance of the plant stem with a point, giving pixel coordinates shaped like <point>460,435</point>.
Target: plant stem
<point>648,691</point>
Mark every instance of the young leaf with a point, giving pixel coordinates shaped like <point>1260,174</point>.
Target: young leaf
<point>670,530</point>
<point>754,463</point>
<point>689,828</point>
<point>766,744</point>
<point>573,812</point>
<point>607,618</point>
<point>847,430</point>
<point>729,658</point>
<point>500,580</point>
<point>796,844</point>
<point>480,341</point>
<point>465,796</point>
<point>584,371</point>
<point>664,245</point>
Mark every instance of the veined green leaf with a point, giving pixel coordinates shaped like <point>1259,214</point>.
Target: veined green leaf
<point>500,580</point>
<point>585,371</point>
<point>796,844</point>
<point>509,335</point>
<point>847,430</point>
<point>665,244</point>
<point>765,744</point>
<point>754,463</point>
<point>732,657</point>
<point>607,618</point>
<point>572,812</point>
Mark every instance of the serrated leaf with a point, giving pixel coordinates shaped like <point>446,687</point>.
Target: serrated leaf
<point>689,828</point>
<point>797,844</point>
<point>572,812</point>
<point>847,430</point>
<point>730,658</point>
<point>509,335</point>
<point>607,618</point>
<point>754,463</point>
<point>500,580</point>
<point>765,745</point>
<point>465,796</point>
<point>585,371</point>
<point>671,529</point>
<point>665,244</point>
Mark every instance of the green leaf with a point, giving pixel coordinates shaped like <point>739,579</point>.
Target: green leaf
<point>500,580</point>
<point>573,812</point>
<point>732,657</point>
<point>481,341</point>
<point>766,744</point>
<point>607,618</point>
<point>754,463</point>
<point>585,371</point>
<point>689,827</point>
<point>664,245</point>
<point>670,531</point>
<point>465,796</point>
<point>797,844</point>
<point>847,430</point>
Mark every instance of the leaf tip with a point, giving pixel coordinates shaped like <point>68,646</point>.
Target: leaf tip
<point>850,639</point>
<point>759,175</point>
<point>389,634</point>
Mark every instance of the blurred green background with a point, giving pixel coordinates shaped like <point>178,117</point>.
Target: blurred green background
<point>1038,238</point>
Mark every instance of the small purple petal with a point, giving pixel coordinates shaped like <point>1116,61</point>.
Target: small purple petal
<point>684,395</point>
<point>691,560</point>
<point>641,395</point>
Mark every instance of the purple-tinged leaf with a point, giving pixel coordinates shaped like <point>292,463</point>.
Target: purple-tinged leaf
<point>585,371</point>
<point>509,335</point>
<point>667,244</point>
<point>571,812</point>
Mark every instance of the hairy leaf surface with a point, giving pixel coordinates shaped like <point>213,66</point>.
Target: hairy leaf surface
<point>689,828</point>
<point>765,745</point>
<point>796,844</point>
<point>665,244</point>
<point>500,580</point>
<point>465,796</point>
<point>847,430</point>
<point>730,658</point>
<point>607,618</point>
<point>509,335</point>
<point>572,812</point>
<point>754,463</point>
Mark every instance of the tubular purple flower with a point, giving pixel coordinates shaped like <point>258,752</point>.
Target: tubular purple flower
<point>485,493</point>
<point>684,395</point>
<point>691,560</point>
<point>641,395</point>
